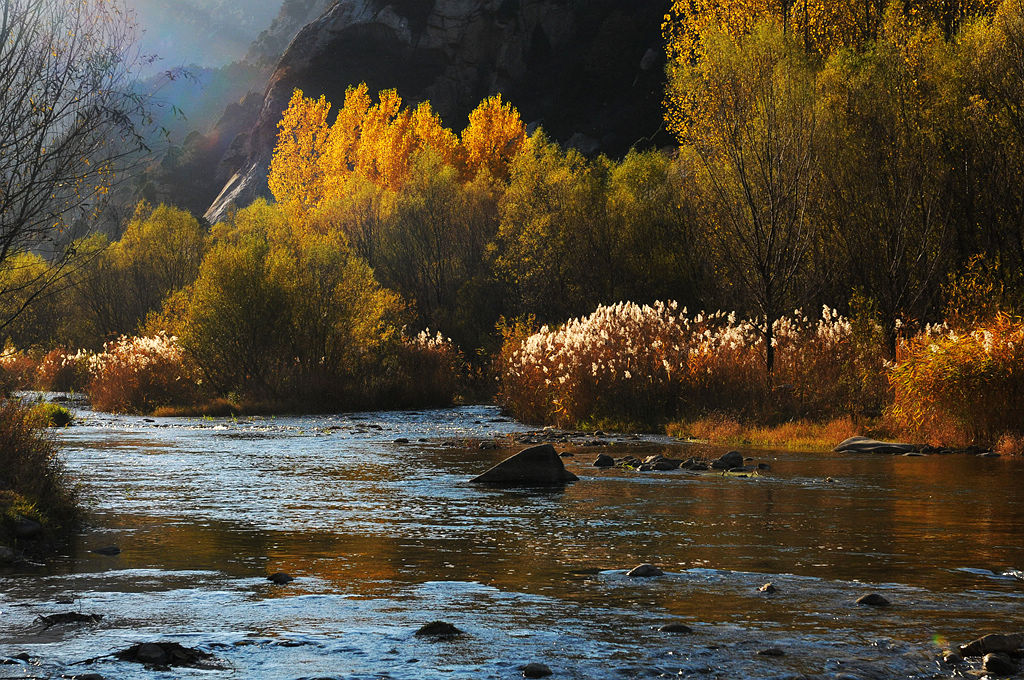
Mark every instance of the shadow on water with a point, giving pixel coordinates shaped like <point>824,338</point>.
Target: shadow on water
<point>384,536</point>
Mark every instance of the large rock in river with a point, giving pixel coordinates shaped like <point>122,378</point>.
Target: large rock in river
<point>866,445</point>
<point>535,466</point>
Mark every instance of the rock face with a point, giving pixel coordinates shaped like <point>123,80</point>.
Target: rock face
<point>866,445</point>
<point>535,466</point>
<point>589,71</point>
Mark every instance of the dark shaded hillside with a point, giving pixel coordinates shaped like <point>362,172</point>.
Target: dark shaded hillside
<point>589,71</point>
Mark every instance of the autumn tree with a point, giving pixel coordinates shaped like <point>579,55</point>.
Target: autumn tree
<point>746,116</point>
<point>69,123</point>
<point>885,182</point>
<point>493,137</point>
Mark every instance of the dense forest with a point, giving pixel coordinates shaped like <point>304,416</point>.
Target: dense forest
<point>862,160</point>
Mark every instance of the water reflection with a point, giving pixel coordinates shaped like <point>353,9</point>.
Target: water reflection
<point>383,537</point>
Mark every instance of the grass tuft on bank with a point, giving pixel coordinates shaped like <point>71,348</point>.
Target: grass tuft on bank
<point>34,484</point>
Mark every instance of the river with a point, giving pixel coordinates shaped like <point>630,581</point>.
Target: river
<point>384,536</point>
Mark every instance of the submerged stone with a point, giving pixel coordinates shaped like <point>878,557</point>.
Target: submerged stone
<point>280,578</point>
<point>108,550</point>
<point>768,588</point>
<point>680,628</point>
<point>535,466</point>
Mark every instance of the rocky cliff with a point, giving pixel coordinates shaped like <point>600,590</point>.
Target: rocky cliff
<point>589,71</point>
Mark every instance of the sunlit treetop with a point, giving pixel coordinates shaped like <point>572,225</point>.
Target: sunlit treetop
<point>378,141</point>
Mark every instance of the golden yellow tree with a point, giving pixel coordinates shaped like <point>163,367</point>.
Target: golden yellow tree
<point>493,137</point>
<point>296,175</point>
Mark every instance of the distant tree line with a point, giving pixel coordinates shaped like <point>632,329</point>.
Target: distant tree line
<point>868,158</point>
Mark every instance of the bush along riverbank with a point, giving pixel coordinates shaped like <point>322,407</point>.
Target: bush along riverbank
<point>38,504</point>
<point>657,368</point>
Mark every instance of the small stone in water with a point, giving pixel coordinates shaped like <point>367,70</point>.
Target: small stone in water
<point>951,658</point>
<point>604,460</point>
<point>768,588</point>
<point>873,600</point>
<point>676,628</point>
<point>771,651</point>
<point>644,571</point>
<point>536,670</point>
<point>402,440</point>
<point>108,550</point>
<point>280,578</point>
<point>438,629</point>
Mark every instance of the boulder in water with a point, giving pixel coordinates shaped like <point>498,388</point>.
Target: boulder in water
<point>438,629</point>
<point>996,642</point>
<point>645,571</point>
<point>866,445</point>
<point>535,466</point>
<point>733,459</point>
<point>536,670</point>
<point>999,664</point>
<point>873,600</point>
<point>165,654</point>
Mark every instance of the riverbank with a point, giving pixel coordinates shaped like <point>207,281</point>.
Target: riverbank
<point>39,506</point>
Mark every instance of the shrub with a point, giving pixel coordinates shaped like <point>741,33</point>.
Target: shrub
<point>48,414</point>
<point>61,371</point>
<point>33,481</point>
<point>648,364</point>
<point>962,388</point>
<point>140,374</point>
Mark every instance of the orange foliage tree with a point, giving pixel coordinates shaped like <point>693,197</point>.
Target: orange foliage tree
<point>314,161</point>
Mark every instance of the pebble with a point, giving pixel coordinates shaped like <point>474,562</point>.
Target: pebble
<point>771,651</point>
<point>768,588</point>
<point>951,658</point>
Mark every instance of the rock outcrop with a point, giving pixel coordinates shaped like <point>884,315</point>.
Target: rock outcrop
<point>535,466</point>
<point>589,71</point>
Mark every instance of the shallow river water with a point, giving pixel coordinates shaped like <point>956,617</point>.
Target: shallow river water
<point>384,537</point>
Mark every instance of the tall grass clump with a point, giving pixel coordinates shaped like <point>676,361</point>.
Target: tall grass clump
<point>141,374</point>
<point>33,481</point>
<point>17,371</point>
<point>63,371</point>
<point>647,364</point>
<point>429,372</point>
<point>960,388</point>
